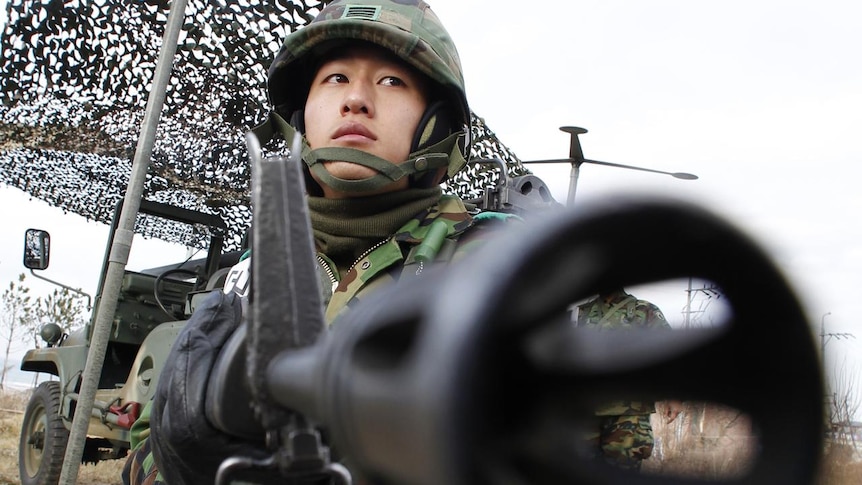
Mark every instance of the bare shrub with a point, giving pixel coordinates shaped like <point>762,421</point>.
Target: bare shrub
<point>839,467</point>
<point>705,441</point>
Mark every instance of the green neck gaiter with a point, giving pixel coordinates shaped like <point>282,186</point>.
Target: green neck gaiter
<point>345,228</point>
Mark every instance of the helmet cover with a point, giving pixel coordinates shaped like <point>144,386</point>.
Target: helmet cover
<point>406,28</point>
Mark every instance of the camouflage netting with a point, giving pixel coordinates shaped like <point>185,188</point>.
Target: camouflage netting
<point>73,90</point>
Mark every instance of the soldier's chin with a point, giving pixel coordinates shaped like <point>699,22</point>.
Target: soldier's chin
<point>349,170</point>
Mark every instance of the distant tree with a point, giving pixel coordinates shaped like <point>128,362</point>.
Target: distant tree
<point>22,317</point>
<point>61,307</point>
<point>844,404</point>
<point>16,319</point>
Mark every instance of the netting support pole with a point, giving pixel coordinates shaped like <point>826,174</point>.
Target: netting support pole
<point>119,253</point>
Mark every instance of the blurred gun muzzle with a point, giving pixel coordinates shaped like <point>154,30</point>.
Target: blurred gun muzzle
<point>476,374</point>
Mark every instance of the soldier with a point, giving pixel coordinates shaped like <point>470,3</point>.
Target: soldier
<point>376,89</point>
<point>624,436</point>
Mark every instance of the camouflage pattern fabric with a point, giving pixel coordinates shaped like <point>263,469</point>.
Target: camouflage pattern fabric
<point>619,310</point>
<point>382,265</point>
<point>623,435</point>
<point>622,441</point>
<point>140,467</point>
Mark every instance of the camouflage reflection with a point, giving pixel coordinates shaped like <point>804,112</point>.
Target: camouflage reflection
<point>623,436</point>
<point>622,441</point>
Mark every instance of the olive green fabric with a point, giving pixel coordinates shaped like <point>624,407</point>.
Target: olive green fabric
<point>381,265</point>
<point>345,228</point>
<point>419,163</point>
<point>425,161</point>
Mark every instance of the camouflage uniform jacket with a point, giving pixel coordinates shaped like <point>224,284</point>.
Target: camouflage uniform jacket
<point>620,311</point>
<point>383,264</point>
<point>437,229</point>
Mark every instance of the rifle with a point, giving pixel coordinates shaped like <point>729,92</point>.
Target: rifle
<point>475,374</point>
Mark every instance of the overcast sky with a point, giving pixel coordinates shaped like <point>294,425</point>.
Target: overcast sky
<point>762,100</point>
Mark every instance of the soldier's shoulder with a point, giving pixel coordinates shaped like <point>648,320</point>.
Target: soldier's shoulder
<point>652,311</point>
<point>647,305</point>
<point>487,224</point>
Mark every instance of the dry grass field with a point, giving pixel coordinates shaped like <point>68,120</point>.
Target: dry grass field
<point>717,443</point>
<point>706,442</point>
<point>12,404</point>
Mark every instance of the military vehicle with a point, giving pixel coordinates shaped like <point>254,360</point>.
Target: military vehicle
<point>153,305</point>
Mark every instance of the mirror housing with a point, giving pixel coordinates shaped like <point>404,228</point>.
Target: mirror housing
<point>37,249</point>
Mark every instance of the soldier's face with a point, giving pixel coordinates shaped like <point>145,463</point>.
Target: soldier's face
<point>364,99</point>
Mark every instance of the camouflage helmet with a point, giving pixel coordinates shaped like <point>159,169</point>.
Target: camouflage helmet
<point>406,28</point>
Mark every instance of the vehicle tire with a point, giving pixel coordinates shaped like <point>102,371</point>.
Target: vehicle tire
<point>43,437</point>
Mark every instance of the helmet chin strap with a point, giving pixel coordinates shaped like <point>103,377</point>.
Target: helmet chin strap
<point>428,159</point>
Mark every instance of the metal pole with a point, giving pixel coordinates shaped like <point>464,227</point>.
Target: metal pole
<point>122,244</point>
<point>573,184</point>
<point>823,336</point>
<point>828,398</point>
<point>687,320</point>
<point>73,290</point>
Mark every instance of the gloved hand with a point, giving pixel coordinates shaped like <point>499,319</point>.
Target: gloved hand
<point>187,448</point>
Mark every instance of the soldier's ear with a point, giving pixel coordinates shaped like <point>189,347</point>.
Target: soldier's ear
<point>435,125</point>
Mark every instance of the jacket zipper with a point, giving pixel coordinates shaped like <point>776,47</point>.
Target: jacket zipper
<point>332,279</point>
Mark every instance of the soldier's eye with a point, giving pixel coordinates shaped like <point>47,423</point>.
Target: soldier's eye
<point>392,81</point>
<point>336,79</point>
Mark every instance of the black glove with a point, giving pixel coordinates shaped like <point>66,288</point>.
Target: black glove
<point>187,448</point>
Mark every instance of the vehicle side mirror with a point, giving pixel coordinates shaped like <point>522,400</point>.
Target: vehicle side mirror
<point>37,249</point>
